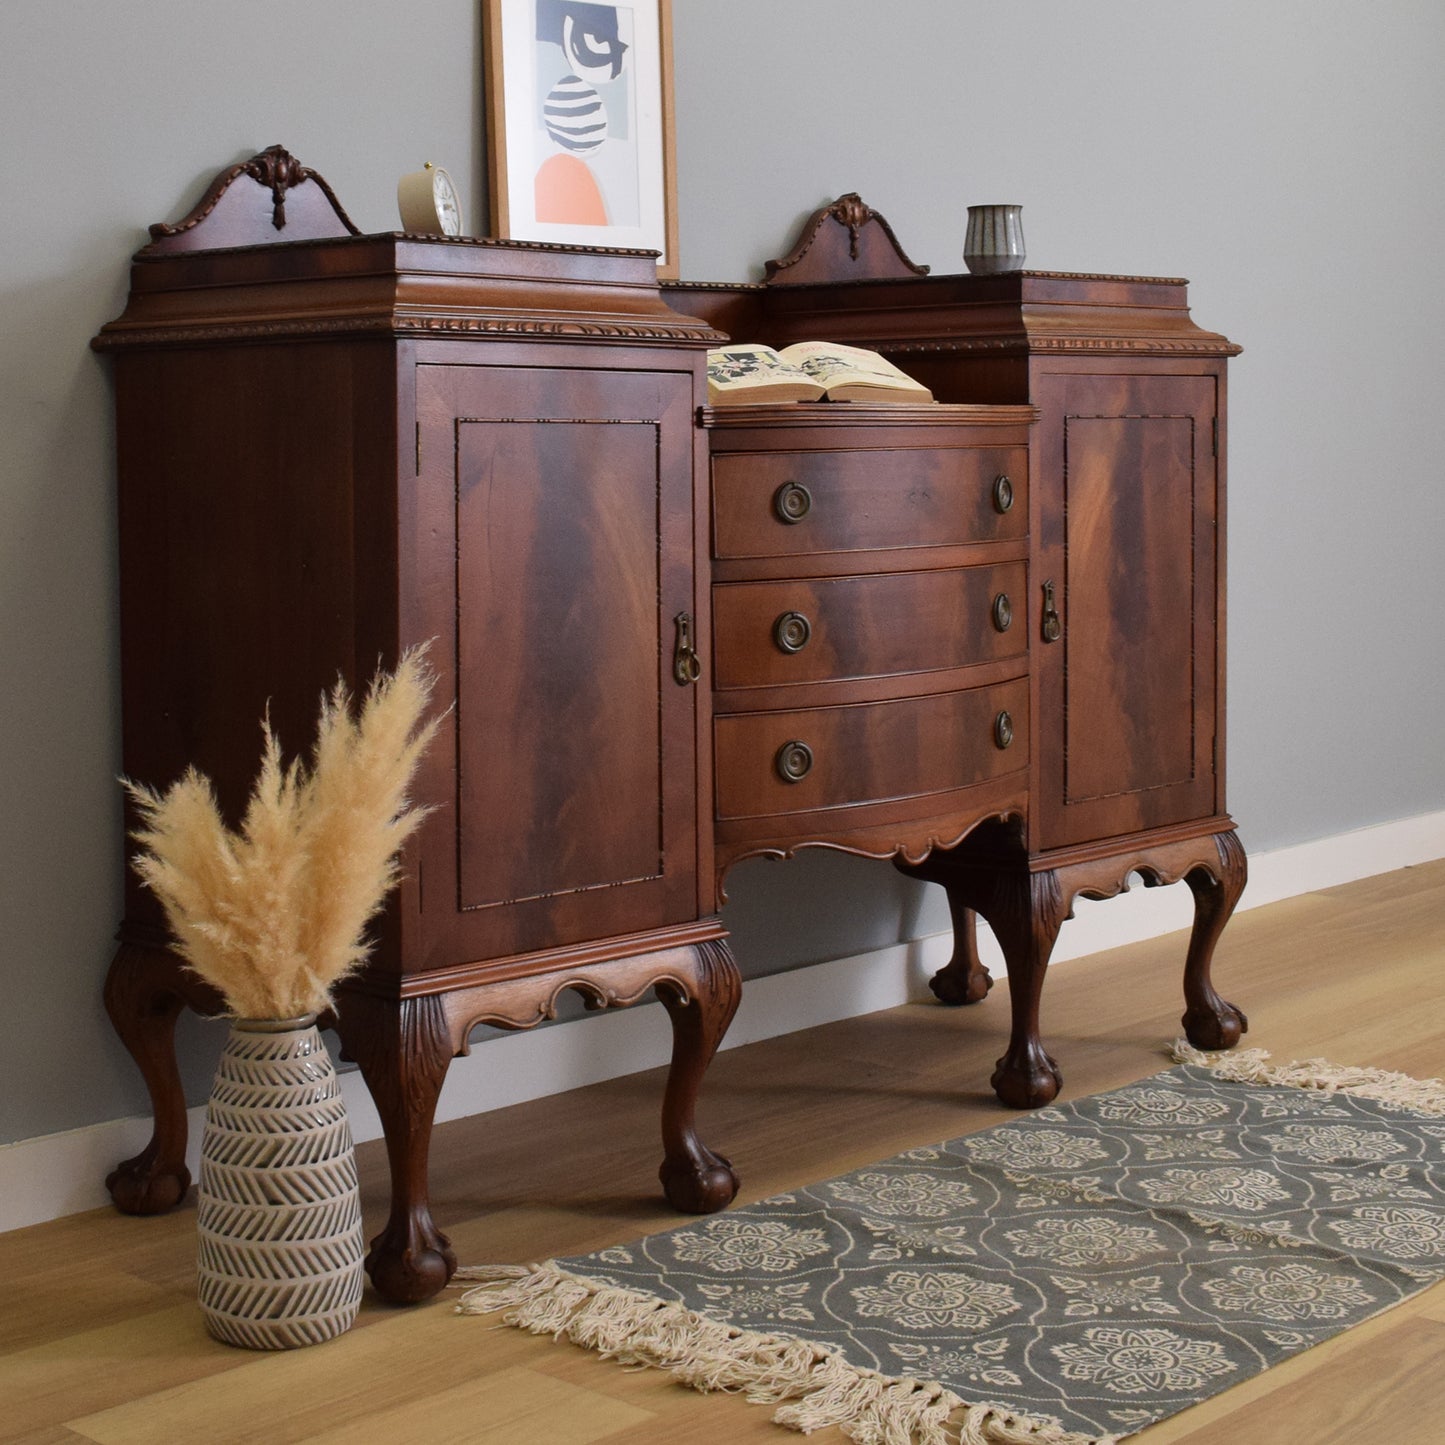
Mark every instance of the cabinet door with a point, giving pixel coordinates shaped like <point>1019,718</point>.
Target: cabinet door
<point>1127,536</point>
<point>555,544</point>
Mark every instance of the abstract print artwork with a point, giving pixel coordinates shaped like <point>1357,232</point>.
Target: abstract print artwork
<point>579,123</point>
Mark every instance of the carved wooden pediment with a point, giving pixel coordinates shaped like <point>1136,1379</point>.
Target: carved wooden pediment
<point>847,241</point>
<point>284,201</point>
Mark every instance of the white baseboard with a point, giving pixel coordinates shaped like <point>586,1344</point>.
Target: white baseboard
<point>58,1174</point>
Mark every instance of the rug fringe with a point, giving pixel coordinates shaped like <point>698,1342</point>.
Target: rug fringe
<point>813,1386</point>
<point>1249,1066</point>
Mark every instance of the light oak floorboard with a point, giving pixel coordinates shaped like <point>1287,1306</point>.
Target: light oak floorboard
<point>101,1340</point>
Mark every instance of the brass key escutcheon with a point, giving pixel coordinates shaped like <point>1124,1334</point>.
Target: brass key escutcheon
<point>1052,628</point>
<point>686,668</point>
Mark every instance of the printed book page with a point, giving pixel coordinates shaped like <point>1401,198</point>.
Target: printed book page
<point>756,373</point>
<point>837,367</point>
<point>806,371</point>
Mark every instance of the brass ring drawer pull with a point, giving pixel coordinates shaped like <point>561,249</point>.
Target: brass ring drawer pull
<point>792,502</point>
<point>792,632</point>
<point>1003,730</point>
<point>1003,612</point>
<point>1003,493</point>
<point>794,761</point>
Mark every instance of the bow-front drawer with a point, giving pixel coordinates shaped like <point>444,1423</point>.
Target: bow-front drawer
<point>779,504</point>
<point>881,625</point>
<point>808,759</point>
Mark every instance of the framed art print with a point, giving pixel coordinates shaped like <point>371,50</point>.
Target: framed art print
<point>579,123</point>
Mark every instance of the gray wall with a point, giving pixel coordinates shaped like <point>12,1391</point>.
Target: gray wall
<point>1284,156</point>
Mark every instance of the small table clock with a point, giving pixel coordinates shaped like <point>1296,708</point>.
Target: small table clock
<point>429,203</point>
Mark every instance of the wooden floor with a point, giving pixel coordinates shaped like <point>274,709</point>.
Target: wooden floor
<point>100,1339</point>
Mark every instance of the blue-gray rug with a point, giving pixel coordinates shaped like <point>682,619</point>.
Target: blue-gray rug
<point>1066,1278</point>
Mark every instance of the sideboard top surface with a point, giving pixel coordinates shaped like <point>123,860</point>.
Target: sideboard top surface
<point>395,283</point>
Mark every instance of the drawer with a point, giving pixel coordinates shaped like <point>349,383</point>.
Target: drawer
<point>778,504</point>
<point>885,624</point>
<point>838,757</point>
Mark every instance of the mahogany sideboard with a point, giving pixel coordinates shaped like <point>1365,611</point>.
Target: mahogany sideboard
<point>982,639</point>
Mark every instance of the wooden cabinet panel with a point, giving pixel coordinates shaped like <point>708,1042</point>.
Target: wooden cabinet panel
<point>557,589</point>
<point>1128,541</point>
<point>868,499</point>
<point>881,625</point>
<point>869,752</point>
<point>556,507</point>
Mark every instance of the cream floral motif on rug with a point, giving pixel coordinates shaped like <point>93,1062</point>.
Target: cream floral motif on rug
<point>1068,1277</point>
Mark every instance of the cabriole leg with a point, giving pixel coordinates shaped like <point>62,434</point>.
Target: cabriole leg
<point>145,991</point>
<point>403,1048</point>
<point>963,979</point>
<point>1209,1021</point>
<point>1025,911</point>
<point>695,1179</point>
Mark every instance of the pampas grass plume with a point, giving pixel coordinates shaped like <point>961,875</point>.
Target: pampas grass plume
<point>275,915</point>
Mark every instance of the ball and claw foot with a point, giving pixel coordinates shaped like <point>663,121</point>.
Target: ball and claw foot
<point>1213,1029</point>
<point>949,988</point>
<point>413,1270</point>
<point>135,1188</point>
<point>1028,1082</point>
<point>699,1186</point>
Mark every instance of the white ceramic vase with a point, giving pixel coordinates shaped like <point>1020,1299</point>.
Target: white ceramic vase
<point>280,1238</point>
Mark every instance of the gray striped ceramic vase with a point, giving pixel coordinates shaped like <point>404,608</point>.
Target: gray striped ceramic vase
<point>995,239</point>
<point>280,1240</point>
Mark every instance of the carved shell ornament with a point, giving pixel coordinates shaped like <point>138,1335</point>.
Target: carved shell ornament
<point>850,211</point>
<point>277,169</point>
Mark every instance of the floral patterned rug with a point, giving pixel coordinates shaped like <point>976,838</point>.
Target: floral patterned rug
<point>1066,1278</point>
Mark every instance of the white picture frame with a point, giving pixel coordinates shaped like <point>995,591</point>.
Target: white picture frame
<point>579,114</point>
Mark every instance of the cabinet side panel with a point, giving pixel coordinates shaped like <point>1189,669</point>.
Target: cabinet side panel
<point>251,576</point>
<point>557,597</point>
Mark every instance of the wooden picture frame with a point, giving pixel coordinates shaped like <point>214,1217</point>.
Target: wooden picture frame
<point>579,112</point>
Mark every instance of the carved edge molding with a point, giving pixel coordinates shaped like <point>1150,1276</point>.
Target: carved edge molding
<point>658,331</point>
<point>850,212</point>
<point>1219,854</point>
<point>596,994</point>
<point>629,331</point>
<point>903,854</point>
<point>498,243</point>
<point>274,168</point>
<point>1109,276</point>
<point>731,286</point>
<point>511,243</point>
<point>403,326</point>
<point>521,1004</point>
<point>1112,345</point>
<point>972,278</point>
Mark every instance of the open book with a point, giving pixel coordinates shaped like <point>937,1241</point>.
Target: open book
<point>806,371</point>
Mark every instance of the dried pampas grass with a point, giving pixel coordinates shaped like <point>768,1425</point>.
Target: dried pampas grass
<point>273,916</point>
